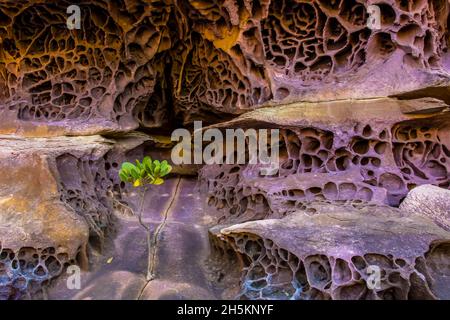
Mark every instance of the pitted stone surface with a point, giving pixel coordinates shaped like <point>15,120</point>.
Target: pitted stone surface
<point>330,255</point>
<point>57,196</point>
<point>154,65</point>
<point>141,63</point>
<point>353,153</point>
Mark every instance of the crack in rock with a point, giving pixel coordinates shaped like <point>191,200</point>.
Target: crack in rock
<point>153,242</point>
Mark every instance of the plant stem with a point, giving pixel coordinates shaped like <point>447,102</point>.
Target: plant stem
<point>147,229</point>
<point>141,208</point>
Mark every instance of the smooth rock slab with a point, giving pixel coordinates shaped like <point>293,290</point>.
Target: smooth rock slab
<point>429,201</point>
<point>332,255</point>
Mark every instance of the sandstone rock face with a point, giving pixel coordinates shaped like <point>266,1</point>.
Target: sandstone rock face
<point>39,234</point>
<point>56,195</point>
<point>93,80</point>
<point>364,121</point>
<point>331,152</point>
<point>131,60</point>
<point>318,227</point>
<point>430,201</point>
<point>331,255</point>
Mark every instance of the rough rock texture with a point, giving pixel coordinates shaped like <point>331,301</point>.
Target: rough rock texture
<point>331,152</point>
<point>56,196</point>
<point>430,201</point>
<point>61,203</point>
<point>319,223</point>
<point>132,59</point>
<point>244,54</point>
<point>327,255</point>
<point>39,234</point>
<point>93,80</point>
<point>154,65</point>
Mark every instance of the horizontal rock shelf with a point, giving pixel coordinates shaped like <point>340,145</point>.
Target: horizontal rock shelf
<point>345,151</point>
<point>332,255</point>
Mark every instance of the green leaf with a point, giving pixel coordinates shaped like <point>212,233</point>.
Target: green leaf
<point>139,165</point>
<point>135,173</point>
<point>127,166</point>
<point>146,172</point>
<point>123,176</point>
<point>167,170</point>
<point>148,164</point>
<point>147,159</point>
<point>156,168</point>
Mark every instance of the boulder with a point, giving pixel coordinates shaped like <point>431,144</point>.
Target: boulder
<point>430,201</point>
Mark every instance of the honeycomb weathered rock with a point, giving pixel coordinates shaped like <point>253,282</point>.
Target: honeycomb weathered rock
<point>331,152</point>
<point>243,54</point>
<point>332,255</point>
<point>39,235</point>
<point>57,195</point>
<point>107,76</point>
<point>132,60</point>
<point>154,64</point>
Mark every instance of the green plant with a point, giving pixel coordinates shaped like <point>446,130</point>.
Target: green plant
<point>141,175</point>
<point>146,173</point>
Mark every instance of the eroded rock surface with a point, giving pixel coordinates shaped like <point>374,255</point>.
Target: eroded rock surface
<point>39,233</point>
<point>133,59</point>
<point>332,255</point>
<point>57,195</point>
<point>154,65</point>
<point>317,227</point>
<point>347,152</point>
<point>98,79</point>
